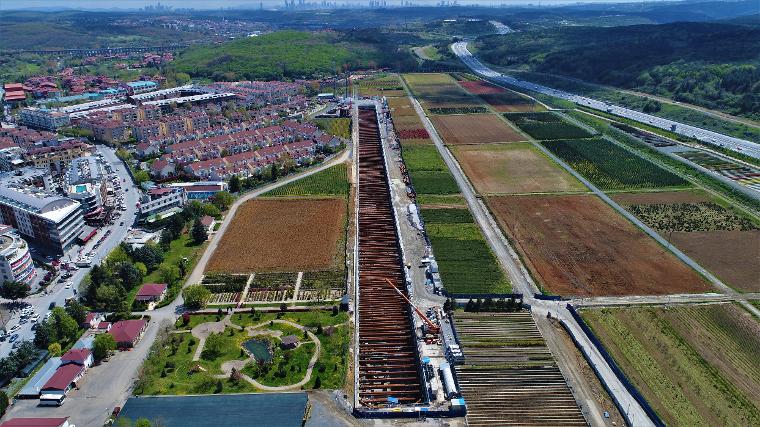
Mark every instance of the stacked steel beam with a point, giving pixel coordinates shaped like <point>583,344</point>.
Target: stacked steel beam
<point>388,359</point>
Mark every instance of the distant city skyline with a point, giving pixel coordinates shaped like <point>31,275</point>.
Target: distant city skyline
<point>254,4</point>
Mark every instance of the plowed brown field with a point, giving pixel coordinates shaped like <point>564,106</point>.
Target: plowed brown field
<point>579,246</point>
<point>474,129</point>
<point>281,235</point>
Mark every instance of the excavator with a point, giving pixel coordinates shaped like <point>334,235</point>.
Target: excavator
<point>434,329</point>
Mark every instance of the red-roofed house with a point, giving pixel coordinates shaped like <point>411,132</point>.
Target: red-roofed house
<point>127,333</point>
<point>36,422</point>
<point>104,327</point>
<point>151,292</point>
<point>92,319</point>
<point>78,356</point>
<point>208,222</point>
<point>161,168</point>
<point>63,379</point>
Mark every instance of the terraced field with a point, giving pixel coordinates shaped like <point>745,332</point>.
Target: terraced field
<point>696,365</point>
<point>509,376</point>
<point>436,90</point>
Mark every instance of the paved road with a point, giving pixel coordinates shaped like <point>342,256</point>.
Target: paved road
<point>740,145</point>
<point>110,384</point>
<point>58,292</point>
<point>522,283</point>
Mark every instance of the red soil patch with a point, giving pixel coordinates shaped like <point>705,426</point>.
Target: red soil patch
<point>281,235</point>
<point>579,246</point>
<point>480,87</point>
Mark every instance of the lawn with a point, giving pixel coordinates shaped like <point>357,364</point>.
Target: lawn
<point>611,167</point>
<point>170,369</point>
<point>696,365</point>
<point>332,181</point>
<point>465,261</point>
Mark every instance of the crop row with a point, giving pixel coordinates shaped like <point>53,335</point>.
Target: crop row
<point>231,279</point>
<point>225,287</point>
<point>332,181</point>
<point>330,279</point>
<point>465,261</point>
<point>458,110</point>
<point>257,295</point>
<point>705,216</point>
<point>546,126</point>
<point>611,167</point>
<point>225,298</point>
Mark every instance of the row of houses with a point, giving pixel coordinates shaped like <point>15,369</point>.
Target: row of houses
<point>62,374</point>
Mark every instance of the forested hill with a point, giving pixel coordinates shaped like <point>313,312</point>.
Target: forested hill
<point>289,54</point>
<point>708,64</point>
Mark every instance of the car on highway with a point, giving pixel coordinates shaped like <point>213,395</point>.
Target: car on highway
<point>68,285</point>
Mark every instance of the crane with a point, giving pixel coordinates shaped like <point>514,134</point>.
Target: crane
<point>435,329</point>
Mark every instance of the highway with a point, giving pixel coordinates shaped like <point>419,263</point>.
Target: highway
<point>522,283</point>
<point>58,292</point>
<point>736,144</point>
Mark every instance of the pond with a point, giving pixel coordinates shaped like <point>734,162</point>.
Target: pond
<point>259,349</point>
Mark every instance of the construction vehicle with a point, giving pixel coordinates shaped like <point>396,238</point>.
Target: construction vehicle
<point>434,329</point>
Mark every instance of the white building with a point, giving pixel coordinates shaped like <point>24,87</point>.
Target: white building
<point>162,200</point>
<point>42,118</point>
<point>87,185</point>
<point>40,217</point>
<point>15,260</point>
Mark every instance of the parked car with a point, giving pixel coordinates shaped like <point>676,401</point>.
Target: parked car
<point>13,338</point>
<point>52,305</point>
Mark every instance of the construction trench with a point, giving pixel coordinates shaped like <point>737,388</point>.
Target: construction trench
<point>388,362</point>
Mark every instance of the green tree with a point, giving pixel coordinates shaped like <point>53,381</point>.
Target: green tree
<point>42,336</point>
<point>54,349</point>
<point>103,345</point>
<point>196,296</point>
<point>13,290</point>
<point>213,347</point>
<point>77,311</point>
<point>4,402</point>
<point>143,422</point>
<point>234,184</point>
<point>222,200</point>
<point>150,255</point>
<point>130,275</point>
<point>65,327</point>
<point>110,298</point>
<point>169,274</point>
<point>142,176</point>
<point>198,232</point>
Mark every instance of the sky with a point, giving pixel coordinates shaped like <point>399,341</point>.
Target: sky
<point>216,4</point>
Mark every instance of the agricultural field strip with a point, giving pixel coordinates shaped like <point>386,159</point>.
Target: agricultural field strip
<point>506,255</point>
<point>680,159</point>
<point>704,298</point>
<point>519,276</point>
<point>683,257</point>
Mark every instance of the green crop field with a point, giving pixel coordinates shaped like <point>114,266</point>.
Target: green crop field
<point>546,126</point>
<point>329,182</point>
<point>427,170</point>
<point>464,259</point>
<point>696,366</point>
<point>340,127</point>
<point>611,167</point>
